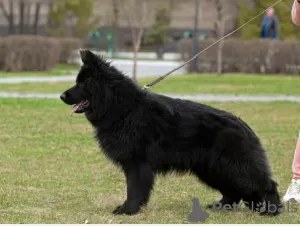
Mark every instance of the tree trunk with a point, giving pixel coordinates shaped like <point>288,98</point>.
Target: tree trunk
<point>36,18</point>
<point>220,58</point>
<point>27,16</point>
<point>134,61</point>
<point>11,19</point>
<point>115,13</point>
<point>115,25</point>
<point>49,20</point>
<point>9,15</point>
<point>21,22</point>
<point>220,45</point>
<point>136,48</point>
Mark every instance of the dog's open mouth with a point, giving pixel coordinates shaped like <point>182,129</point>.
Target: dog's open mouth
<point>80,107</point>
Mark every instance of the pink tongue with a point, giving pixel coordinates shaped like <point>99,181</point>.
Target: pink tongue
<point>73,110</point>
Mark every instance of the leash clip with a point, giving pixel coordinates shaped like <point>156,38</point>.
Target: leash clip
<point>146,87</point>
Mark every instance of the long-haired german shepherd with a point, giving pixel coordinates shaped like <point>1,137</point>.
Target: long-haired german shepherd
<point>146,134</point>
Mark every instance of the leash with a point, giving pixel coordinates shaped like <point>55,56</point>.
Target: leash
<point>151,84</point>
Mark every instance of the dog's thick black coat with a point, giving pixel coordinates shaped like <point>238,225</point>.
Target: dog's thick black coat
<point>147,134</point>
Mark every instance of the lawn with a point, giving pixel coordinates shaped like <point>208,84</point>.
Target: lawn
<point>193,84</point>
<point>52,171</point>
<point>61,69</point>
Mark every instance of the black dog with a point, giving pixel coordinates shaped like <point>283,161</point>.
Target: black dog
<point>146,134</point>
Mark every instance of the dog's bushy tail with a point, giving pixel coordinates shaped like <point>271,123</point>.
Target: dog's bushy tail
<point>272,203</point>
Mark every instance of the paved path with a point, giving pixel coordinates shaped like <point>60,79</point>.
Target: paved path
<point>41,79</point>
<point>198,97</point>
<point>37,79</point>
<point>146,67</point>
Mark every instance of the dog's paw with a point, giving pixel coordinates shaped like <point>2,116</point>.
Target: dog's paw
<point>117,210</point>
<point>271,210</point>
<point>124,209</point>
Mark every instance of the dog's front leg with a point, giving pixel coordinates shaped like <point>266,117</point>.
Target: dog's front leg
<point>140,180</point>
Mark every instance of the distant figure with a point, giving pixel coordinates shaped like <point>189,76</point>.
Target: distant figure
<point>270,25</point>
<point>197,213</point>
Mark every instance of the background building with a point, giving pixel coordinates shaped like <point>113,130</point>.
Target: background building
<point>183,14</point>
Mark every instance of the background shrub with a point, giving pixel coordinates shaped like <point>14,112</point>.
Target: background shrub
<point>68,45</point>
<point>28,53</point>
<point>251,56</point>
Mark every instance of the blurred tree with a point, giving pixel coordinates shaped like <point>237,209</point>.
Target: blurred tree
<point>137,13</point>
<point>36,18</point>
<point>24,10</point>
<point>115,26</point>
<point>158,33</point>
<point>287,30</point>
<point>9,15</point>
<point>27,15</point>
<point>21,16</point>
<point>219,29</point>
<point>72,18</point>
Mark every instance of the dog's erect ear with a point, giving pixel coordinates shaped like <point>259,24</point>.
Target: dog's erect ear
<point>87,57</point>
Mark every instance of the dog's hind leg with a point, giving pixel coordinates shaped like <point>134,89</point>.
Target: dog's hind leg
<point>266,203</point>
<point>273,203</point>
<point>229,201</point>
<point>140,181</point>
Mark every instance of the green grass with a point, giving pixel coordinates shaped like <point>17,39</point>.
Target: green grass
<point>67,67</point>
<point>228,84</point>
<point>61,69</point>
<point>52,171</point>
<point>193,84</point>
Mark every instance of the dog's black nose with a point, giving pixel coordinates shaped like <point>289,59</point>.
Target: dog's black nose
<point>63,96</point>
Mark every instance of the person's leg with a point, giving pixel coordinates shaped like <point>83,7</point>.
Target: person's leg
<point>296,162</point>
<point>293,192</point>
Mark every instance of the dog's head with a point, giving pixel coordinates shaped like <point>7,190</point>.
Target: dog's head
<point>93,84</point>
